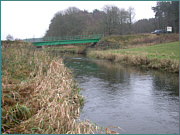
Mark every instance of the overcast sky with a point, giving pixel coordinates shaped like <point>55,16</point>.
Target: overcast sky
<point>28,19</point>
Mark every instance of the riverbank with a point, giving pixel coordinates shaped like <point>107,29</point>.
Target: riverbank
<point>79,49</point>
<point>38,94</point>
<point>161,56</point>
<point>121,95</point>
<point>131,41</point>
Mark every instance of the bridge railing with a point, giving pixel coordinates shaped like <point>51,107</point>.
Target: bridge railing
<point>95,36</point>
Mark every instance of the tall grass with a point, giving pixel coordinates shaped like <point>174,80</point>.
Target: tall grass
<point>38,94</point>
<point>78,49</point>
<point>58,101</point>
<point>20,64</point>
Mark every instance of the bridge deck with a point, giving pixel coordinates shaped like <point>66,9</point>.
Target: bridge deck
<point>65,40</point>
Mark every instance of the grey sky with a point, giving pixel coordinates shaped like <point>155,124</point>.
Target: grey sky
<point>28,19</point>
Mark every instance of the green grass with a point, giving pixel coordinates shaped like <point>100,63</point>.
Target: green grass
<point>161,56</point>
<point>166,50</point>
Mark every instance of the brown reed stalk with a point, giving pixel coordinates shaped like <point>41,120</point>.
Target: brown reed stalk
<point>45,101</point>
<point>169,65</point>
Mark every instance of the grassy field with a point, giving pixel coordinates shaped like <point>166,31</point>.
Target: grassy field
<point>161,56</point>
<point>166,50</point>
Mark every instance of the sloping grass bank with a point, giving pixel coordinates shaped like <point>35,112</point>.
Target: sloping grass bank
<point>162,56</point>
<point>38,95</point>
<point>129,41</point>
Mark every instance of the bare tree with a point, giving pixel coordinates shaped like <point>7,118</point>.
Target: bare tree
<point>9,37</point>
<point>111,19</point>
<point>131,13</point>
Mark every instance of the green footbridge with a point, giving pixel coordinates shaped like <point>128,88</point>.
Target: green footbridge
<point>65,40</point>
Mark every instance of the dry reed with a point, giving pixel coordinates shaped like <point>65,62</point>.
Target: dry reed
<point>169,65</point>
<point>57,104</point>
<point>46,101</point>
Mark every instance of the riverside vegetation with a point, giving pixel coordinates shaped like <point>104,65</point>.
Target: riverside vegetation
<point>38,95</point>
<point>78,49</point>
<point>151,51</point>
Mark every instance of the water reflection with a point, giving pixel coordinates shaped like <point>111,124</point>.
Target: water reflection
<point>139,101</point>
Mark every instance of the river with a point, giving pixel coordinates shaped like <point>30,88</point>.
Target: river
<point>139,101</point>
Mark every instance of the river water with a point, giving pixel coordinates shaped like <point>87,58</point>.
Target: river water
<point>140,101</point>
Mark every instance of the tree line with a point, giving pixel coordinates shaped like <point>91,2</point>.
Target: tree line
<point>112,21</point>
<point>166,14</point>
